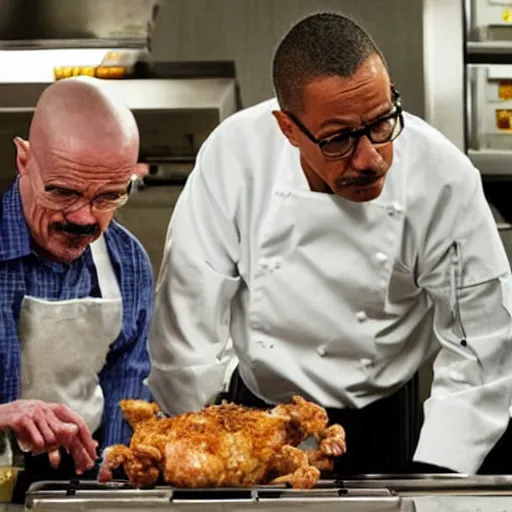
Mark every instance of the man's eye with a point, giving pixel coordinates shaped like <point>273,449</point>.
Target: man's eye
<point>62,192</point>
<point>111,196</point>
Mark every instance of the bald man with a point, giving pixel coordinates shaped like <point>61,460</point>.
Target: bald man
<point>75,286</point>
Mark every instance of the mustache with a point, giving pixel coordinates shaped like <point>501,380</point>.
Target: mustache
<point>69,228</point>
<point>364,178</point>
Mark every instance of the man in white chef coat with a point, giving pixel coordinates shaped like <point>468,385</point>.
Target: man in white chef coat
<point>76,293</point>
<point>338,241</point>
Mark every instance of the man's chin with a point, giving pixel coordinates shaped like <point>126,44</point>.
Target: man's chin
<point>66,248</point>
<point>363,193</point>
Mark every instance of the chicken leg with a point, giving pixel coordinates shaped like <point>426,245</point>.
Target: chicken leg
<point>294,467</point>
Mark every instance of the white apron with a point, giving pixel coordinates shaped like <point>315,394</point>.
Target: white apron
<point>64,343</point>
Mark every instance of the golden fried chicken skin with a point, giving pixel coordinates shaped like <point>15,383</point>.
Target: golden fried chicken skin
<point>225,446</point>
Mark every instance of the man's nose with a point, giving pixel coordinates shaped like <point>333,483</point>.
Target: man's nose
<point>83,216</point>
<point>365,155</point>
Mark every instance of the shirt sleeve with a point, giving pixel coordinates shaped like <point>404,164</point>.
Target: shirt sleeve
<point>189,341</point>
<point>127,365</point>
<point>467,275</point>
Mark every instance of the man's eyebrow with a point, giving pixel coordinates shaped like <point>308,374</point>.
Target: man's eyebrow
<point>52,186</point>
<point>343,123</point>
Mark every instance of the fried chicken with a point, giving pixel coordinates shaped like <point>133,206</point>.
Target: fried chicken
<point>225,446</point>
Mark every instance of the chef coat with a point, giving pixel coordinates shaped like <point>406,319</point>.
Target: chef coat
<point>338,301</point>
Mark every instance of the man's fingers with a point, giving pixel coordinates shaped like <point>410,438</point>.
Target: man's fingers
<point>83,461</point>
<point>50,439</point>
<point>65,432</point>
<point>54,458</point>
<point>65,414</point>
<point>30,435</point>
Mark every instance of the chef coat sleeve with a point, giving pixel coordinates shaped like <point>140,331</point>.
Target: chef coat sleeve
<point>127,364</point>
<point>189,341</point>
<point>467,275</point>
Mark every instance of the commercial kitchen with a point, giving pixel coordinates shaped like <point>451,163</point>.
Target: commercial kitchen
<point>182,67</point>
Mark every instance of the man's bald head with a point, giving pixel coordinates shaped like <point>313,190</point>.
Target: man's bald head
<point>77,114</point>
<point>77,165</point>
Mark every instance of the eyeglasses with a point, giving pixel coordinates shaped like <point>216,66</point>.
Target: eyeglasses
<point>65,200</point>
<point>379,132</point>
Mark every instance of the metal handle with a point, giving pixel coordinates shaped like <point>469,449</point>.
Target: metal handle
<point>503,226</point>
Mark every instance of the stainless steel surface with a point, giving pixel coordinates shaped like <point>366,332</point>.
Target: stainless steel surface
<point>468,16</point>
<point>87,23</point>
<point>174,115</point>
<point>384,493</point>
<point>489,47</point>
<point>454,484</point>
<point>492,162</point>
<point>45,496</point>
<point>489,20</point>
<point>471,108</point>
<point>443,72</point>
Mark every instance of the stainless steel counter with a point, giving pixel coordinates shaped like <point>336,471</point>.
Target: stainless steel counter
<point>421,493</point>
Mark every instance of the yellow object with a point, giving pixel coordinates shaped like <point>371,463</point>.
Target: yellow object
<point>504,120</point>
<point>505,90</point>
<point>507,15</point>
<point>94,71</point>
<point>8,477</point>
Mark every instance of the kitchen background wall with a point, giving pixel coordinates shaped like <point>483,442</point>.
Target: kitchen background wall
<point>248,31</point>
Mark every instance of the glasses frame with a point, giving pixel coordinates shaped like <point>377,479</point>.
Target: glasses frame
<point>78,201</point>
<point>355,135</point>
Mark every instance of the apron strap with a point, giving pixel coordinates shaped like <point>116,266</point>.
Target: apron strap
<point>107,279</point>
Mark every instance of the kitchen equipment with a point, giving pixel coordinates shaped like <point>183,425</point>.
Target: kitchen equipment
<point>61,496</point>
<point>489,117</point>
<point>489,25</point>
<point>88,23</point>
<point>383,493</point>
<point>487,56</point>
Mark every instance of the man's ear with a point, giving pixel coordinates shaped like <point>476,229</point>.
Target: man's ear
<point>286,125</point>
<point>22,151</point>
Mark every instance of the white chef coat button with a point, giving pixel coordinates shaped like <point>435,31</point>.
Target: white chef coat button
<point>381,257</point>
<point>361,316</point>
<point>457,376</point>
<point>398,207</point>
<point>366,362</point>
<point>321,351</point>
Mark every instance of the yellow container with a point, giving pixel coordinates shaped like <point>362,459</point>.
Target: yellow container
<point>8,477</point>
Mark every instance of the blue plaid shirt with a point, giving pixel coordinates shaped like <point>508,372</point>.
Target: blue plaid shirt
<point>22,273</point>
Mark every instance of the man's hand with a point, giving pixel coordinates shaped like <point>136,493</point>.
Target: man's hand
<point>41,427</point>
